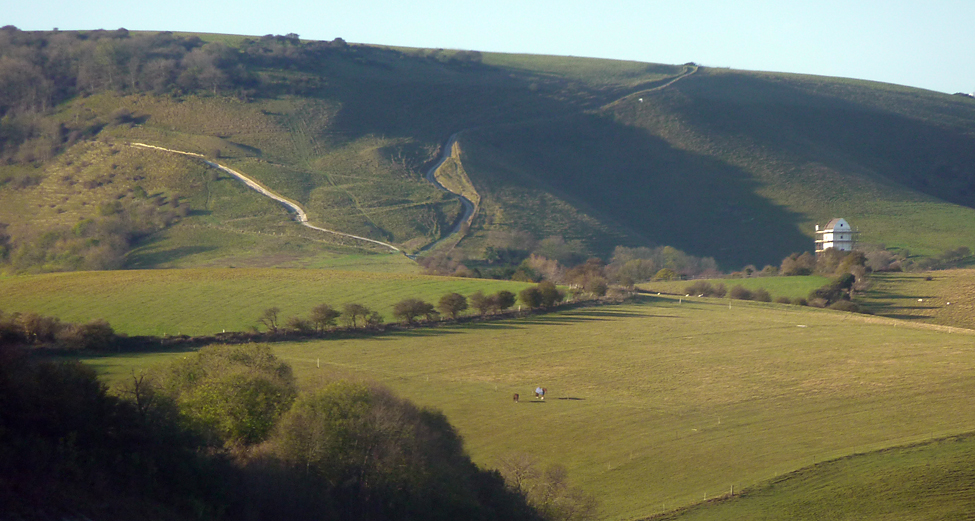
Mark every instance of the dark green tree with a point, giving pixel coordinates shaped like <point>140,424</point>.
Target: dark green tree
<point>504,299</point>
<point>551,295</point>
<point>234,395</point>
<point>531,297</point>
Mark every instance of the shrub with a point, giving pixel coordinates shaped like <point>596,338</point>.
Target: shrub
<point>374,319</point>
<point>799,301</point>
<point>782,300</point>
<point>740,293</point>
<point>550,294</point>
<point>845,305</point>
<point>530,297</point>
<point>96,335</point>
<point>299,324</point>
<point>702,288</point>
<point>817,302</point>
<point>666,274</point>
<point>504,299</point>
<point>761,295</point>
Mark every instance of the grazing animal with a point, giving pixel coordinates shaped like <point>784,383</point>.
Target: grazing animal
<point>516,397</point>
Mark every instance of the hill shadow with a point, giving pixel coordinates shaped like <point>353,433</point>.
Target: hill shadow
<point>142,259</point>
<point>862,130</point>
<point>650,191</point>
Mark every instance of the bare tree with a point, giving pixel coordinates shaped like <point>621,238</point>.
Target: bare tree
<point>353,312</point>
<point>269,318</point>
<point>323,316</point>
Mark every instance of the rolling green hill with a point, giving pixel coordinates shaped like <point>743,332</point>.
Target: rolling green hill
<point>729,164</point>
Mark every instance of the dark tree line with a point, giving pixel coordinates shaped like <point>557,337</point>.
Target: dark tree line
<point>40,69</point>
<point>225,434</point>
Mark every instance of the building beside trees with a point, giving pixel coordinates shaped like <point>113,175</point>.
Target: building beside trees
<point>837,234</point>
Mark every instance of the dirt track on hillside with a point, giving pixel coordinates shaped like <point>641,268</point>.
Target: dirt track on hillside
<point>292,206</point>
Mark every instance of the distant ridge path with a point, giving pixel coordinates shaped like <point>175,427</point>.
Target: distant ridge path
<point>250,182</point>
<point>688,70</point>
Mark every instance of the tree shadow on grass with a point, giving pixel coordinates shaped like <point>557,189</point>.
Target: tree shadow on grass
<point>598,313</point>
<point>151,259</point>
<point>902,316</point>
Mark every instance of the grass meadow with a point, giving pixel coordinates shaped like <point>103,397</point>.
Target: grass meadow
<point>791,287</point>
<point>208,301</point>
<point>930,481</point>
<point>655,405</point>
<point>947,299</point>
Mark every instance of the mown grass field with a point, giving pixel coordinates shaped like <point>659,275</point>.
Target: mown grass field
<point>931,481</point>
<point>947,299</point>
<point>208,301</point>
<point>792,287</point>
<point>654,405</point>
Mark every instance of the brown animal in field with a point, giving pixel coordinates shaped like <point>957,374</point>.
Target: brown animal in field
<point>516,397</point>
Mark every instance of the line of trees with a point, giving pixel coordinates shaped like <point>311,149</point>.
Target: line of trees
<point>411,310</point>
<point>34,329</point>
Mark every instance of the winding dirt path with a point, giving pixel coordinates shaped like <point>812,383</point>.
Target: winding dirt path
<point>467,204</point>
<point>292,206</point>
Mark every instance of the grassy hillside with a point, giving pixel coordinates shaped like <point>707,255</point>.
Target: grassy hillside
<point>653,405</point>
<point>728,164</point>
<point>920,482</point>
<point>698,163</point>
<point>948,298</point>
<point>208,301</point>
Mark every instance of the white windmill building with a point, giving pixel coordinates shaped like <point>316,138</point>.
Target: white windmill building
<point>837,234</point>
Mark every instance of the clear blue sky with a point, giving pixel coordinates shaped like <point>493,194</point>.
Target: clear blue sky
<point>928,44</point>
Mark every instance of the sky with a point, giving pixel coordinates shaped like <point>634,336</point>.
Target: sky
<point>925,43</point>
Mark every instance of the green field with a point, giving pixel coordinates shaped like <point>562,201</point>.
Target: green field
<point>947,299</point>
<point>791,287</point>
<point>931,481</point>
<point>655,404</point>
<point>208,301</point>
